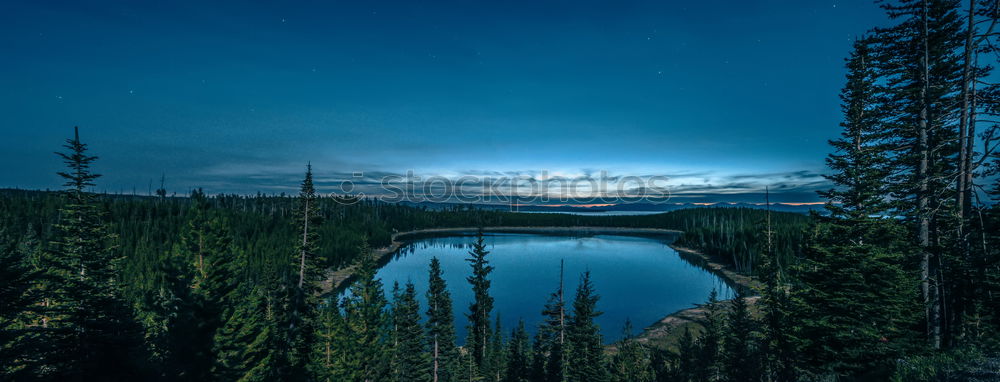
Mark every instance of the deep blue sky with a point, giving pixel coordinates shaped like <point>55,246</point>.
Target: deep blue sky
<point>724,97</point>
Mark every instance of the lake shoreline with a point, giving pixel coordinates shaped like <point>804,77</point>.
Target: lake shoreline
<point>718,268</point>
<point>665,332</point>
<point>658,333</point>
<point>337,279</point>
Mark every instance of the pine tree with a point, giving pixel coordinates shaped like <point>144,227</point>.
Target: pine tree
<point>979,99</point>
<point>167,312</point>
<point>921,64</point>
<point>518,356</point>
<point>16,300</point>
<point>470,372</point>
<point>496,357</point>
<point>247,346</point>
<point>410,360</point>
<point>855,302</point>
<point>585,358</point>
<point>989,302</point>
<point>366,318</point>
<point>741,361</point>
<point>539,356</point>
<point>632,362</point>
<point>549,360</point>
<point>338,356</point>
<point>778,345</point>
<point>215,285</point>
<point>707,359</point>
<point>330,337</point>
<point>192,298</point>
<point>686,366</point>
<point>482,304</point>
<point>854,298</point>
<point>299,320</point>
<point>86,324</point>
<point>441,328</point>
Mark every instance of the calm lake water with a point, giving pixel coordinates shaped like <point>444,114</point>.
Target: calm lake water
<point>638,278</point>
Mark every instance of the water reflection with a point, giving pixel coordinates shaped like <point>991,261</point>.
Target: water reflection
<point>639,278</point>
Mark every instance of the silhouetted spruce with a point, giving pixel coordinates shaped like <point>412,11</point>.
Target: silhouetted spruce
<point>86,325</point>
<point>481,308</point>
<point>18,344</point>
<point>410,360</point>
<point>444,362</point>
<point>585,358</point>
<point>306,272</point>
<point>632,361</point>
<point>741,359</point>
<point>367,320</point>
<point>518,356</point>
<point>853,302</point>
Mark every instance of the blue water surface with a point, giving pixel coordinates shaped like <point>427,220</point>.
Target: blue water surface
<point>637,278</point>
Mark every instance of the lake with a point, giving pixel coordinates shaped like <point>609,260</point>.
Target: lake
<point>638,278</point>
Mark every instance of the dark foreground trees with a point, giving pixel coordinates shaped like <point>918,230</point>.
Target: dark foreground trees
<point>480,310</point>
<point>82,325</point>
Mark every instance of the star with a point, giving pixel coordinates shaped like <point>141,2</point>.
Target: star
<point>131,91</point>
<point>282,20</point>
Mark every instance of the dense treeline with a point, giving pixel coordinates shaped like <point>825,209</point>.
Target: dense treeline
<point>735,236</point>
<point>148,228</point>
<point>226,287</point>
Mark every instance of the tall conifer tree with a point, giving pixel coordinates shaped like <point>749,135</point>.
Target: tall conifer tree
<point>920,63</point>
<point>87,325</point>
<point>632,362</point>
<point>854,301</point>
<point>17,342</point>
<point>742,353</point>
<point>367,320</point>
<point>411,362</point>
<point>518,356</point>
<point>299,322</point>
<point>441,328</point>
<point>708,355</point>
<point>586,348</point>
<point>481,308</point>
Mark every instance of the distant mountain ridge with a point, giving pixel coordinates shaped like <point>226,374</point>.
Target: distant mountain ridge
<point>625,207</point>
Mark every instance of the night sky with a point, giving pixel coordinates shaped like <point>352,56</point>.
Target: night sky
<point>722,97</point>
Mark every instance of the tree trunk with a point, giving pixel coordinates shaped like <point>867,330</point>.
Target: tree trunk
<point>435,358</point>
<point>562,308</point>
<point>305,234</point>
<point>927,286</point>
<point>964,183</point>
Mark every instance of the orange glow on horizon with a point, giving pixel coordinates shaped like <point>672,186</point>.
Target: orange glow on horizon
<point>577,205</point>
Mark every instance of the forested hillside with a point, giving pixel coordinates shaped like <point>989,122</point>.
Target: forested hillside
<point>194,286</point>
<point>148,228</point>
